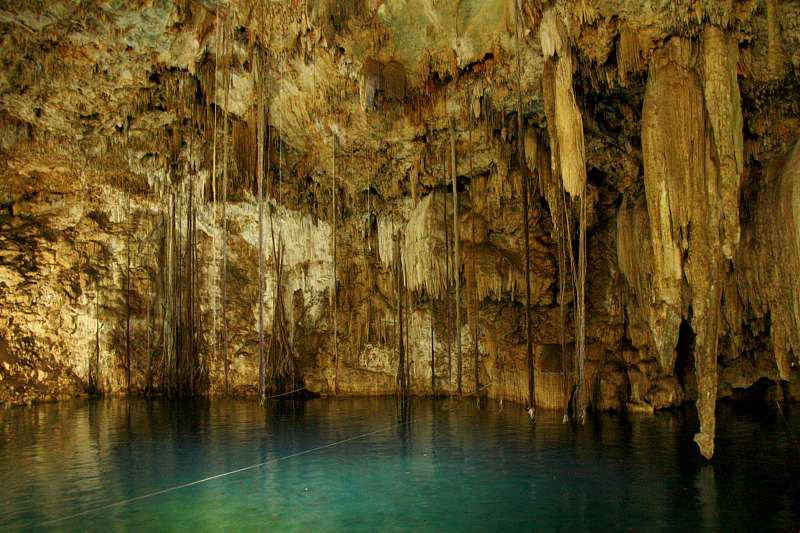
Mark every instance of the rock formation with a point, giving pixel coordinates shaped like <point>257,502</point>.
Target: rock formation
<point>660,140</point>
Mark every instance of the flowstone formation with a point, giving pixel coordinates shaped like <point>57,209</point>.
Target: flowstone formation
<point>391,143</point>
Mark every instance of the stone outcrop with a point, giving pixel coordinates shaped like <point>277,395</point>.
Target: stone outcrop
<point>769,278</point>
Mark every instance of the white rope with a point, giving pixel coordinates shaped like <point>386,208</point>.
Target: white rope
<point>218,476</point>
<point>285,393</point>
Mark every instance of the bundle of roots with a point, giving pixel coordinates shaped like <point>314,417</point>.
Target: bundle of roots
<point>281,369</point>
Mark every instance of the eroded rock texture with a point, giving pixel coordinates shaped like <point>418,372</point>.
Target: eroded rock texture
<point>129,219</point>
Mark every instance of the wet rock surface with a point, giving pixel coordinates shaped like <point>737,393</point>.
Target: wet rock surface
<point>676,124</point>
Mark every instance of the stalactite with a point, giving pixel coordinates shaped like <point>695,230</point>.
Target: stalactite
<point>687,180</point>
<point>456,265</point>
<point>775,54</point>
<point>770,275</point>
<point>524,177</point>
<point>631,57</point>
<point>720,53</point>
<point>424,272</point>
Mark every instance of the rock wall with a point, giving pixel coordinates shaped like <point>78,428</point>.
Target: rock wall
<point>673,125</point>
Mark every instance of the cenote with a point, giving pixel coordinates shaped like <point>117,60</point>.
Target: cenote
<point>584,214</point>
<point>363,465</point>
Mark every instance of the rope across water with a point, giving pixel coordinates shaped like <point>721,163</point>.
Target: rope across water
<point>284,393</point>
<point>218,476</point>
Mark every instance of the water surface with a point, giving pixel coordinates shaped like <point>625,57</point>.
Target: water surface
<point>445,466</point>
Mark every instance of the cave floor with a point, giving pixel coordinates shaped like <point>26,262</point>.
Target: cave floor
<point>361,464</point>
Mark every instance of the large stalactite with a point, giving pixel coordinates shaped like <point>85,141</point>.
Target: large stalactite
<point>692,151</point>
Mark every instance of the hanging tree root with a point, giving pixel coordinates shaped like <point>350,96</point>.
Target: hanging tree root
<point>524,175</point>
<point>281,368</point>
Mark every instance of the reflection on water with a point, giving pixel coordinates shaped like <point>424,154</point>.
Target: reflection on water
<point>428,465</point>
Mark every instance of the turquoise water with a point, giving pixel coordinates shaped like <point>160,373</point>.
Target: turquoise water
<point>446,466</point>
